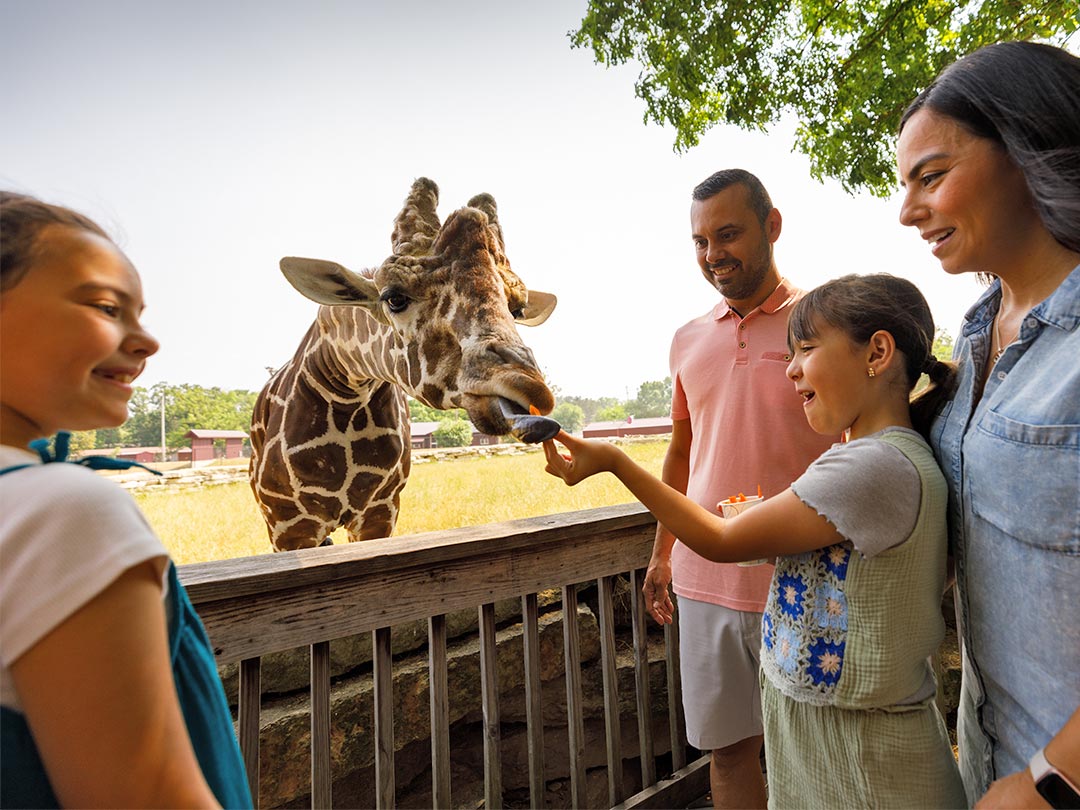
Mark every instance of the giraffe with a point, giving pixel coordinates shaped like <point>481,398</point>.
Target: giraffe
<point>436,320</point>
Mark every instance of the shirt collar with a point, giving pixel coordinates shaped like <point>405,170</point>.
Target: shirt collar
<point>783,295</point>
<point>1061,308</point>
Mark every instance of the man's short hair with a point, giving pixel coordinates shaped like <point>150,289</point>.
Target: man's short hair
<point>760,201</point>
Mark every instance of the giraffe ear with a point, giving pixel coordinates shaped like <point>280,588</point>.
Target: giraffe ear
<point>331,284</point>
<point>537,310</point>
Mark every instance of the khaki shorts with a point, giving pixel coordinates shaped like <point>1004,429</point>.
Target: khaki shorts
<point>719,656</point>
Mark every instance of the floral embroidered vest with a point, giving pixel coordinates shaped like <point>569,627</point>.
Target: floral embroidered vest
<point>840,630</point>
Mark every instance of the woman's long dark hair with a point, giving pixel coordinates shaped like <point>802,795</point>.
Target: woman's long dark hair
<point>1024,96</point>
<point>859,306</point>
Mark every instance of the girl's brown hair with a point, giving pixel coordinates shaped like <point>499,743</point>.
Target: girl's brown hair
<point>22,218</point>
<point>859,306</point>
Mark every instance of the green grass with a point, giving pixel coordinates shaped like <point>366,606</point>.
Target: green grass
<point>222,522</point>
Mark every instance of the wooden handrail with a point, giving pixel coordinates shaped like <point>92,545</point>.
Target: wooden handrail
<point>255,606</point>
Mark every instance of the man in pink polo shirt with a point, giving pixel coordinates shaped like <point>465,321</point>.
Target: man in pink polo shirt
<point>737,423</point>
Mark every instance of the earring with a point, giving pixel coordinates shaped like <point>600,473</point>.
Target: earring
<point>870,372</point>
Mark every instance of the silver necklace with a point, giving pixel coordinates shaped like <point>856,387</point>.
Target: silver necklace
<point>997,337</point>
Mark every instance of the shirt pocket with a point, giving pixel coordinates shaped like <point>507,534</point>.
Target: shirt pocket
<point>1025,479</point>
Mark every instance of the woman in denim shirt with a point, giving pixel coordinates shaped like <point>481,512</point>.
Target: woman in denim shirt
<point>989,156</point>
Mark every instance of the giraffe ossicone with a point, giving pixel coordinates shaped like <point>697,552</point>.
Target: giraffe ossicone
<point>436,321</point>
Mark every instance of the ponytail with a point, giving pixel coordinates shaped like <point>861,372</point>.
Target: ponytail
<point>926,404</point>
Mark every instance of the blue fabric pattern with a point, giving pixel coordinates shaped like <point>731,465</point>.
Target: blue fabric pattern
<point>807,617</point>
<point>835,559</point>
<point>830,607</point>
<point>826,661</point>
<point>788,649</point>
<point>790,590</point>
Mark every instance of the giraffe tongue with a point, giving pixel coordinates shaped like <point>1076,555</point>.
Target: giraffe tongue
<point>526,427</point>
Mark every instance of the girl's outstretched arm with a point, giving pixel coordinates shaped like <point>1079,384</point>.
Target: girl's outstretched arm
<point>99,698</point>
<point>781,525</point>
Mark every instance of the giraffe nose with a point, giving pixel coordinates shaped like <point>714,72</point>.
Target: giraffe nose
<point>512,354</point>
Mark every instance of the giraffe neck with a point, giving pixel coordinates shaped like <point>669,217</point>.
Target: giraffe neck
<point>350,352</point>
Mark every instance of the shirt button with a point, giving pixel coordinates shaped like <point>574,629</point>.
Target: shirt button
<point>742,325</point>
<point>742,344</point>
<point>1001,375</point>
<point>1030,323</point>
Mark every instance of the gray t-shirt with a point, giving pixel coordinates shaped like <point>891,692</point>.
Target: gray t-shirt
<point>867,489</point>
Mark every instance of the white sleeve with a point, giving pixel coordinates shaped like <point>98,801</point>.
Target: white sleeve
<point>66,534</point>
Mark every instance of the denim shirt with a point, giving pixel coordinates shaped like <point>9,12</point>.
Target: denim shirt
<point>1012,461</point>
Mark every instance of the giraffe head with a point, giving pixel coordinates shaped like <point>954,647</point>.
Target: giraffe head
<point>447,304</point>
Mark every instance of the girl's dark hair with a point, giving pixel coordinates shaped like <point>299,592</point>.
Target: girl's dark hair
<point>859,306</point>
<point>1024,96</point>
<point>22,218</point>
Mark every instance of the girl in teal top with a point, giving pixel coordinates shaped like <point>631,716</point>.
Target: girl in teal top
<point>110,695</point>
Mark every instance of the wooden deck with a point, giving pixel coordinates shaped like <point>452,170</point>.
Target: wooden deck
<point>304,599</point>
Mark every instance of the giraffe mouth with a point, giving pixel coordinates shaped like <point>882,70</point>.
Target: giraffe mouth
<point>527,427</point>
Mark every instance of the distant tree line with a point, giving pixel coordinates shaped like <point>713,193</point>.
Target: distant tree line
<point>187,407</point>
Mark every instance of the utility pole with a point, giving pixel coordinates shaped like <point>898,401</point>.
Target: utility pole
<point>164,450</point>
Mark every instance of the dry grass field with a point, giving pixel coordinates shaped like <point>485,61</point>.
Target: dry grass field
<point>222,522</point>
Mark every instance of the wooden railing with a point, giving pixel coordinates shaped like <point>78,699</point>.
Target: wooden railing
<point>259,605</point>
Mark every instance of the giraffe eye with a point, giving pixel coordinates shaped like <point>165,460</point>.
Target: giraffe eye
<point>517,314</point>
<point>395,301</point>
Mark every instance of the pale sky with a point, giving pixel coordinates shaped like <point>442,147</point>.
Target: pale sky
<point>213,138</point>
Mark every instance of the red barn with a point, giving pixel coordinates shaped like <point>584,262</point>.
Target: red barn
<point>203,444</point>
<point>631,426</point>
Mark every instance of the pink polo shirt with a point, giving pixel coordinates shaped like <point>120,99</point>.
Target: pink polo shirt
<point>729,379</point>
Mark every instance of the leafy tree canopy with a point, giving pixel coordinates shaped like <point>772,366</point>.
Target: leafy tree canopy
<point>453,433</point>
<point>613,413</point>
<point>846,69</point>
<point>570,416</point>
<point>419,412</point>
<point>653,399</point>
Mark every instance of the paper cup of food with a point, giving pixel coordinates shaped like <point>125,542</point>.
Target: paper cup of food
<point>736,505</point>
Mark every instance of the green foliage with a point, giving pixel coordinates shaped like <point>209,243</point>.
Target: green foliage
<point>846,69</point>
<point>570,416</point>
<point>653,399</point>
<point>613,413</point>
<point>187,407</point>
<point>590,407</point>
<point>109,437</point>
<point>943,345</point>
<point>419,412</point>
<point>83,440</point>
<point>453,433</point>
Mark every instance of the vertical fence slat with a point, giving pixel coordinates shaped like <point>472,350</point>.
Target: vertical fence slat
<point>639,621</point>
<point>320,725</point>
<point>674,680</point>
<point>489,688</point>
<point>612,724</point>
<point>575,723</point>
<point>249,702</point>
<point>384,718</point>
<point>440,712</point>
<point>534,717</point>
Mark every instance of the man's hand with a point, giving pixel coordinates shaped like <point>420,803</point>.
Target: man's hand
<point>655,590</point>
<point>1014,791</point>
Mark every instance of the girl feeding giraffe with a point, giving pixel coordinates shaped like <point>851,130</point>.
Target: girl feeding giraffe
<point>109,693</point>
<point>854,608</point>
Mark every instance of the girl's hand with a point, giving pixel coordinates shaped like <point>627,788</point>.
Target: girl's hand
<point>587,457</point>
